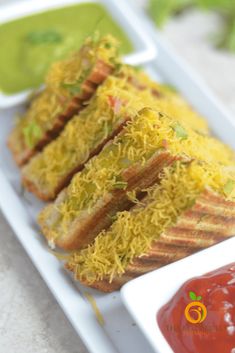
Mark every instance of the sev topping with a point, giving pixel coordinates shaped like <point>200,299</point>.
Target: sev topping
<point>64,81</point>
<point>132,234</point>
<point>140,139</point>
<point>116,99</point>
<point>95,308</point>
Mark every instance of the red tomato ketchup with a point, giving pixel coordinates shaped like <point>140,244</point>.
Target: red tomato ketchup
<point>200,318</point>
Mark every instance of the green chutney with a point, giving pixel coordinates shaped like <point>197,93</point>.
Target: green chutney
<point>31,44</point>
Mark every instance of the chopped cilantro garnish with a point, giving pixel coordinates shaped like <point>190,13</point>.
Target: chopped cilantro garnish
<point>108,45</point>
<point>115,63</point>
<point>32,133</point>
<point>180,132</point>
<point>72,88</point>
<point>120,185</point>
<point>113,218</point>
<point>75,87</point>
<point>228,187</point>
<point>118,66</point>
<point>42,37</point>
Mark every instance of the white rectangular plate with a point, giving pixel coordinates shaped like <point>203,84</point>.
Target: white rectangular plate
<point>146,295</point>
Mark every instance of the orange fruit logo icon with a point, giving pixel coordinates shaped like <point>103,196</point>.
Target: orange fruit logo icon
<point>195,312</point>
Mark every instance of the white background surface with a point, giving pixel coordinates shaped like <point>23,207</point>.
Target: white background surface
<point>30,319</point>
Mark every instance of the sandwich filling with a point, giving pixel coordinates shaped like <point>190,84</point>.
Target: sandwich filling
<point>133,232</point>
<point>145,136</point>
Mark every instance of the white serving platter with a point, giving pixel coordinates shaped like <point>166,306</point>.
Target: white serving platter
<point>119,333</point>
<point>144,48</point>
<point>145,296</point>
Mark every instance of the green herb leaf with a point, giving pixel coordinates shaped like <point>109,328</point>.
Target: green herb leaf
<point>120,185</point>
<point>73,88</point>
<point>108,45</point>
<point>42,37</point>
<point>199,297</point>
<point>113,218</point>
<point>32,133</point>
<point>118,66</point>
<point>228,187</point>
<point>180,132</point>
<point>192,295</point>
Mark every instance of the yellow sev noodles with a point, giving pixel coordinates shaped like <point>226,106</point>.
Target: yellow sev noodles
<point>63,82</point>
<point>132,234</point>
<point>149,133</point>
<point>115,100</point>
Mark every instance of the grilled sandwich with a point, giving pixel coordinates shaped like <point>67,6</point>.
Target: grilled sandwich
<point>126,166</point>
<point>68,85</point>
<point>192,208</point>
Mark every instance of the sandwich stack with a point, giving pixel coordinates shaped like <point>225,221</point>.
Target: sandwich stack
<point>134,178</point>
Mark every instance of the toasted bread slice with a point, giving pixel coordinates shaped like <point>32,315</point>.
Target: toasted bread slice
<point>126,165</point>
<point>151,241</point>
<point>69,84</point>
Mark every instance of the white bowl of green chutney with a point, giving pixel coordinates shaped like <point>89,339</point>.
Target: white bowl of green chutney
<point>33,35</point>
